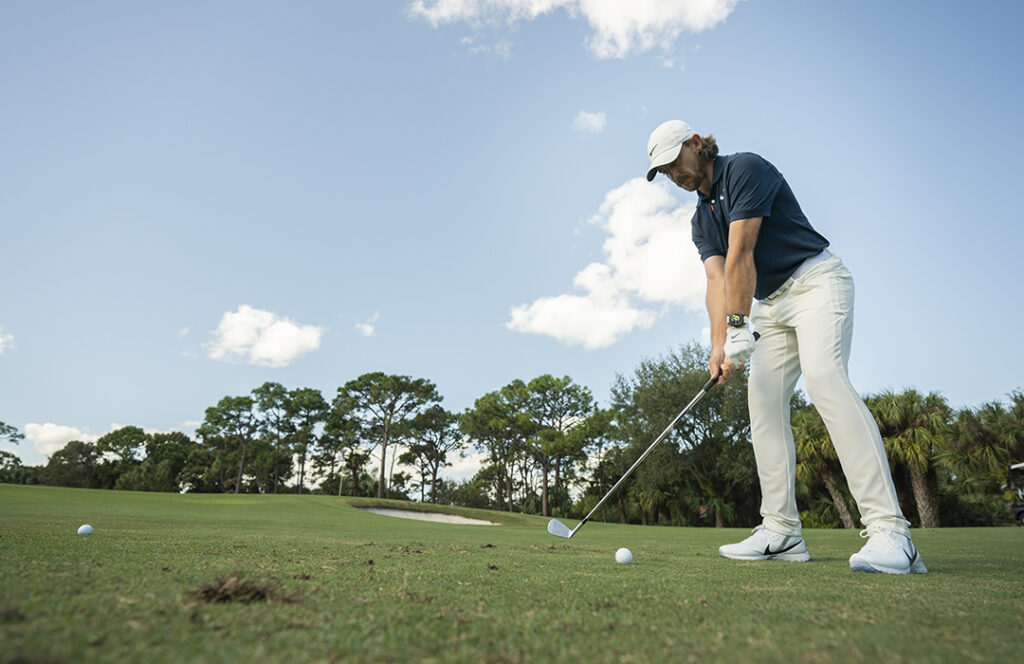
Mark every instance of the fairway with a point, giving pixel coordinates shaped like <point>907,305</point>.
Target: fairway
<point>221,578</point>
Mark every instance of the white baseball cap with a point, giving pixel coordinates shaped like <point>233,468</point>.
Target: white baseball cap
<point>665,143</point>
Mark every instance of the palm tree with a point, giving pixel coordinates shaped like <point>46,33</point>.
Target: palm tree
<point>912,428</point>
<point>982,443</point>
<point>816,457</point>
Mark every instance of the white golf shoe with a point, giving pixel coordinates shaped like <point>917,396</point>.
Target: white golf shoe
<point>888,552</point>
<point>767,544</point>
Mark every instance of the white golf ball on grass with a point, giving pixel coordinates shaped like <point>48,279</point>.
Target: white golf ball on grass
<point>623,556</point>
<point>85,530</point>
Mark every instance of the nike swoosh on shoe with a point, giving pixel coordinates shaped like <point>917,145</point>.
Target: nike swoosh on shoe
<point>768,550</point>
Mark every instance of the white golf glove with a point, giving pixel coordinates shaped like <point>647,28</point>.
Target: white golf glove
<point>739,345</point>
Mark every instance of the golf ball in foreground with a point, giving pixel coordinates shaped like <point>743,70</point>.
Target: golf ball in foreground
<point>87,530</point>
<point>623,556</point>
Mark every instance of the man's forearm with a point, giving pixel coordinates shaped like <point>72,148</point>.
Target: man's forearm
<point>740,280</point>
<point>717,311</point>
<point>740,272</point>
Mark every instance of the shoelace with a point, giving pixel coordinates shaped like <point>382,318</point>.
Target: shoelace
<point>878,537</point>
<point>762,535</point>
<point>757,531</point>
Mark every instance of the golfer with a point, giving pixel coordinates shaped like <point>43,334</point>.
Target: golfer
<point>769,269</point>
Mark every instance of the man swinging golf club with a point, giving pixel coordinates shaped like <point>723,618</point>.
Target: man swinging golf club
<point>769,269</point>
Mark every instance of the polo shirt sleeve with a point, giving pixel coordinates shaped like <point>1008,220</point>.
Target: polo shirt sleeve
<point>705,247</point>
<point>752,184</point>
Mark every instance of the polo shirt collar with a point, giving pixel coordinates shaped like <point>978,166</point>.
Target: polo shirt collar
<point>716,175</point>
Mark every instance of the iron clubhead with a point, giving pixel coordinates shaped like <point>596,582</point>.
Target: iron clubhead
<point>559,529</point>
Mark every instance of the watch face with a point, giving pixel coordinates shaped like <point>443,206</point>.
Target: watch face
<point>737,320</point>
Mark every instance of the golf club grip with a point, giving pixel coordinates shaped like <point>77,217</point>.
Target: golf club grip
<point>711,383</point>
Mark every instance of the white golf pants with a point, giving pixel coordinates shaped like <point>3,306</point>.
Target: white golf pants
<point>807,327</point>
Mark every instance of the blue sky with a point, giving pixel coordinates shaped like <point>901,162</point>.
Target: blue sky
<point>199,197</point>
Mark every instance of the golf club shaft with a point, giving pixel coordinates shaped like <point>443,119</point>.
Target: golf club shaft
<point>704,390</point>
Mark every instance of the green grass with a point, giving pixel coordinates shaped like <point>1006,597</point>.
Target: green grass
<point>131,592</point>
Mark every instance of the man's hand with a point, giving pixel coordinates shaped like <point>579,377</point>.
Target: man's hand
<point>720,366</point>
<point>739,345</point>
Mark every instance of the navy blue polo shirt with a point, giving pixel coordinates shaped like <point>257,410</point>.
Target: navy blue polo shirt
<point>746,185</point>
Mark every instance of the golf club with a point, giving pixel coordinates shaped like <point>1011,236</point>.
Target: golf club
<point>559,529</point>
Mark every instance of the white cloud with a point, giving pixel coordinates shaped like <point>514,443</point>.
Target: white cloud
<point>49,438</point>
<point>6,341</point>
<point>184,332</point>
<point>463,468</point>
<point>650,266</point>
<point>649,245</point>
<point>579,320</point>
<point>593,123</point>
<point>153,430</point>
<point>481,12</point>
<point>369,328</point>
<point>619,27</point>
<point>501,48</point>
<point>595,320</point>
<point>261,338</point>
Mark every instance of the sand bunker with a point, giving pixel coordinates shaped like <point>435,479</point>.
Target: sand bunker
<point>428,516</point>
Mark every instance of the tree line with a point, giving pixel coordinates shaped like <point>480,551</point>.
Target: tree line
<point>550,449</point>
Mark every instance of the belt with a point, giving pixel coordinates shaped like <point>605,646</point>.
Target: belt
<point>803,269</point>
<point>810,262</point>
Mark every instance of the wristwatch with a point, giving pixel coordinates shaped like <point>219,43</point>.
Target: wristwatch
<point>736,320</point>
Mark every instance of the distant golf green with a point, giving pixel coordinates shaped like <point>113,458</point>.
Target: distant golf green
<point>224,578</point>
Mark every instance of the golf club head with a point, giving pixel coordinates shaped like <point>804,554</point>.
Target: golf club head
<point>559,529</point>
